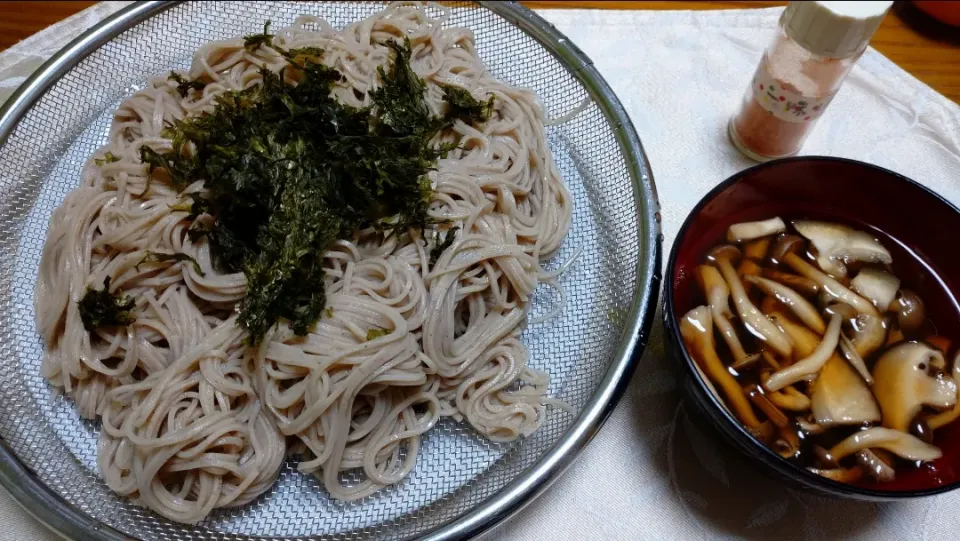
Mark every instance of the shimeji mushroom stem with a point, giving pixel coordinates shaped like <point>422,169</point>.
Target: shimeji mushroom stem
<point>777,417</point>
<point>803,285</point>
<point>827,284</point>
<point>696,328</point>
<point>752,318</point>
<point>899,443</point>
<point>850,353</point>
<point>808,366</point>
<point>718,298</point>
<point>840,475</point>
<point>803,339</point>
<point>789,398</point>
<point>792,300</point>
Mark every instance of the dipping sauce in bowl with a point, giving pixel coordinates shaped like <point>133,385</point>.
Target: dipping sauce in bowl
<point>820,330</point>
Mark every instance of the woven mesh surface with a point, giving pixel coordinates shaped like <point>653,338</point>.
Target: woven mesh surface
<point>457,470</point>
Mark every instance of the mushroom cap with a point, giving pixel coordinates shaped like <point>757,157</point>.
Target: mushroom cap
<point>725,251</point>
<point>846,311</point>
<point>921,429</point>
<point>696,326</point>
<point>909,308</point>
<point>785,244</point>
<point>840,396</point>
<point>877,468</point>
<point>903,386</point>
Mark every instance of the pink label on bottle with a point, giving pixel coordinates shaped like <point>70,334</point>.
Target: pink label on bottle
<point>784,103</point>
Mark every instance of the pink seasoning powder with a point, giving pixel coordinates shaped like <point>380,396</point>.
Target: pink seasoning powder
<point>789,91</point>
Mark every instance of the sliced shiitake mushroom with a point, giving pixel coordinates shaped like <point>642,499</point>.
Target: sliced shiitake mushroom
<point>878,286</point>
<point>903,384</point>
<point>838,244</point>
<point>841,397</point>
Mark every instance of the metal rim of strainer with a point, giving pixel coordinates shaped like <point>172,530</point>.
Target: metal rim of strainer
<point>68,521</point>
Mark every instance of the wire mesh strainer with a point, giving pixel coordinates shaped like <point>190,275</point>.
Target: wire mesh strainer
<point>462,484</point>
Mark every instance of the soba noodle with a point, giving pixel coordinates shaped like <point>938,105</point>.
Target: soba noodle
<point>193,418</point>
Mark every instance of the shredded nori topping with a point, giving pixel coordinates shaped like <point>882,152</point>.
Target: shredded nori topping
<point>100,308</point>
<point>184,86</point>
<point>288,170</point>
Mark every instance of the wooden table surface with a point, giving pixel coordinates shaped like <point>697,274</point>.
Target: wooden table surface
<point>931,54</point>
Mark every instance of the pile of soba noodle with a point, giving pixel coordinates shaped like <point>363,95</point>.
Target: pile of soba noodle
<point>193,418</point>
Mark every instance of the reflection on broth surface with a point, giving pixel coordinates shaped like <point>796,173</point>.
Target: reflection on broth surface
<point>816,337</point>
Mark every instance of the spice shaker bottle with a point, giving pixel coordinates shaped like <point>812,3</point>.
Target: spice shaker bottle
<point>816,45</point>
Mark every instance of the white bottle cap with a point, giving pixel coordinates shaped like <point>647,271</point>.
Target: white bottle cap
<point>834,29</point>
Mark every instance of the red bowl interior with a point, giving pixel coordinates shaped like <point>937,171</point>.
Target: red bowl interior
<point>917,226</point>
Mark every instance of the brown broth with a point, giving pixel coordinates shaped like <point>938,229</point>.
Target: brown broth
<point>943,318</point>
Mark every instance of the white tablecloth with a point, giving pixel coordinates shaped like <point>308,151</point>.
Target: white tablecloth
<point>651,474</point>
